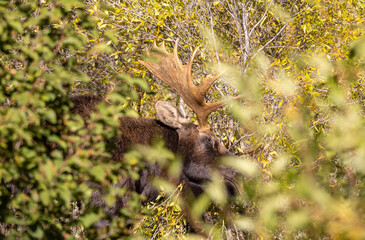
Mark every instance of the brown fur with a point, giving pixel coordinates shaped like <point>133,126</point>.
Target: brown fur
<point>199,149</point>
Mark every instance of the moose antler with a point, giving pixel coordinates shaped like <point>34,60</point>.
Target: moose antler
<point>169,69</point>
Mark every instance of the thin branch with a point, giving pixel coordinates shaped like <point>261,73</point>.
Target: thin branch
<point>272,39</point>
<point>212,32</point>
<point>247,36</point>
<point>262,18</point>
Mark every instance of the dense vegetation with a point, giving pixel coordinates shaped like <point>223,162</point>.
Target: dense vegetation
<point>297,134</point>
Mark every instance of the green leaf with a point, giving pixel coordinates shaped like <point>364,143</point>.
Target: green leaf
<point>72,42</point>
<point>16,25</point>
<point>38,233</point>
<point>50,170</point>
<point>50,115</point>
<point>89,219</point>
<point>245,224</point>
<point>246,166</point>
<point>65,193</point>
<point>111,36</point>
<point>101,48</point>
<point>29,153</point>
<point>72,3</point>
<point>98,172</point>
<point>45,198</point>
<point>298,219</point>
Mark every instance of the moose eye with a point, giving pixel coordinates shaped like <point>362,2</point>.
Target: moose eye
<point>216,143</point>
<point>209,142</point>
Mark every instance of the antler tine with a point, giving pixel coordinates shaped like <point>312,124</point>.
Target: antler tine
<point>215,105</point>
<point>175,48</point>
<point>175,52</point>
<point>207,83</point>
<point>209,108</point>
<point>146,51</point>
<point>191,60</point>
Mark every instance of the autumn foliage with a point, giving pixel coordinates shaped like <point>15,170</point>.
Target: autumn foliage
<point>297,134</point>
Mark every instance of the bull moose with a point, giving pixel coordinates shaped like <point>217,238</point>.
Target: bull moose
<point>196,144</point>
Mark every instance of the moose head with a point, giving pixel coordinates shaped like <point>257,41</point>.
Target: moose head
<point>197,144</point>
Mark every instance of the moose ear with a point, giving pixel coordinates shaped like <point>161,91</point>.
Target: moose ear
<point>168,114</point>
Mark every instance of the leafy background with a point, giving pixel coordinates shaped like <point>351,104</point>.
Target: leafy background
<point>297,133</point>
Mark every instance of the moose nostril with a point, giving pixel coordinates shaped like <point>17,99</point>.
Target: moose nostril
<point>232,188</point>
